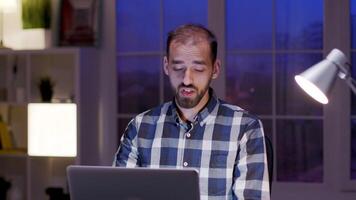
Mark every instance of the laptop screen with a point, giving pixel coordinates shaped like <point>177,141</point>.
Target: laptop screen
<point>113,183</point>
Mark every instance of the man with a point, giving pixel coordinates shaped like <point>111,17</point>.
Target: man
<point>198,130</point>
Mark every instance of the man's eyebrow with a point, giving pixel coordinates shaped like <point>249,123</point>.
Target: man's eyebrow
<point>177,61</point>
<point>199,62</point>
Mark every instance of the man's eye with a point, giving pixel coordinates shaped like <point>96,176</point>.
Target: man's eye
<point>177,68</point>
<point>199,69</point>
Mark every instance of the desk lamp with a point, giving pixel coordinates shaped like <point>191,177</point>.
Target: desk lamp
<point>318,79</point>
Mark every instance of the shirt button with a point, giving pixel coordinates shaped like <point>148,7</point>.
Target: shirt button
<point>188,135</point>
<point>185,164</point>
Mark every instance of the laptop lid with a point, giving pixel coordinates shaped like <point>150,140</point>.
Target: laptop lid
<point>113,183</point>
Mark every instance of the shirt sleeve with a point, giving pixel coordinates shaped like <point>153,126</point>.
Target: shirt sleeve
<point>251,170</point>
<point>127,153</point>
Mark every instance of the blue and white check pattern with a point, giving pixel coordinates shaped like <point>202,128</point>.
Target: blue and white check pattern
<point>224,143</point>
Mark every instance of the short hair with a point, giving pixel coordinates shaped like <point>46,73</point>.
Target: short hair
<point>193,31</point>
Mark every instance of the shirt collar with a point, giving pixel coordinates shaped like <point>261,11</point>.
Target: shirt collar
<point>207,110</point>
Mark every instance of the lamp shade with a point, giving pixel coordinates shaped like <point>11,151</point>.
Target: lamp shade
<point>52,129</point>
<point>318,79</point>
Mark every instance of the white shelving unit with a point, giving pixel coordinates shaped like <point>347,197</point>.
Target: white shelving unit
<point>75,72</point>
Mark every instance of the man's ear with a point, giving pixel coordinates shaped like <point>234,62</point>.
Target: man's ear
<point>216,69</point>
<point>165,65</point>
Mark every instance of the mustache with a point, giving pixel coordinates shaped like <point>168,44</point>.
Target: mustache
<point>187,86</point>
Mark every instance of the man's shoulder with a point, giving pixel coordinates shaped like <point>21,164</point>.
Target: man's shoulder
<point>230,107</point>
<point>234,110</point>
<point>153,114</point>
<point>246,120</point>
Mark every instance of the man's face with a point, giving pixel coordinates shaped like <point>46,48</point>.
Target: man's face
<point>190,70</point>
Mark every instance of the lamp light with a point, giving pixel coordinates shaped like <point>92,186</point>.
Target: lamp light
<point>52,129</point>
<point>318,79</point>
<point>6,6</point>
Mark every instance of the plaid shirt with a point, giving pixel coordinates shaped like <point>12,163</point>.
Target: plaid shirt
<point>224,143</point>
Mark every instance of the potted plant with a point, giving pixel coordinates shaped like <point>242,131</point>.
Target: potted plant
<point>45,86</point>
<point>4,187</point>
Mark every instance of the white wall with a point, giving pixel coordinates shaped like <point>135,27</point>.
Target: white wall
<point>18,38</point>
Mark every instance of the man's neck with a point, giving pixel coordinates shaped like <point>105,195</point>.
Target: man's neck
<point>188,114</point>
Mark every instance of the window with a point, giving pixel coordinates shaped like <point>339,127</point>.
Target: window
<point>267,43</point>
<point>141,30</point>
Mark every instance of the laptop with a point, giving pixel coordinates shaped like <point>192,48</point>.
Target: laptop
<point>114,183</point>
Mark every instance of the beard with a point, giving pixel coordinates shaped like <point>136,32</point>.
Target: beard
<point>188,103</point>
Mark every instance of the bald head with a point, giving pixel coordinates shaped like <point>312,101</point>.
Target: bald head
<point>193,34</point>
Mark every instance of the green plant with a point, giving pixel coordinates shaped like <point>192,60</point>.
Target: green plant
<point>46,86</point>
<point>36,13</point>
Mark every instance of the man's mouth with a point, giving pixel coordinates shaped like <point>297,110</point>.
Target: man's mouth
<point>187,92</point>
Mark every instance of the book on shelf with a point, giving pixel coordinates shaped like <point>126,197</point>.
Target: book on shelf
<point>15,151</point>
<point>5,137</point>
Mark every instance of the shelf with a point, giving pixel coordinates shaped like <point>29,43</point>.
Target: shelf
<point>74,71</point>
<point>5,103</point>
<point>20,153</point>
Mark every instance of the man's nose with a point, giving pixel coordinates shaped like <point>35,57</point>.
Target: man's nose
<point>187,79</point>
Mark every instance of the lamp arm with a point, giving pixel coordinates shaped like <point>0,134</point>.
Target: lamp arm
<point>345,74</point>
<point>351,83</point>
